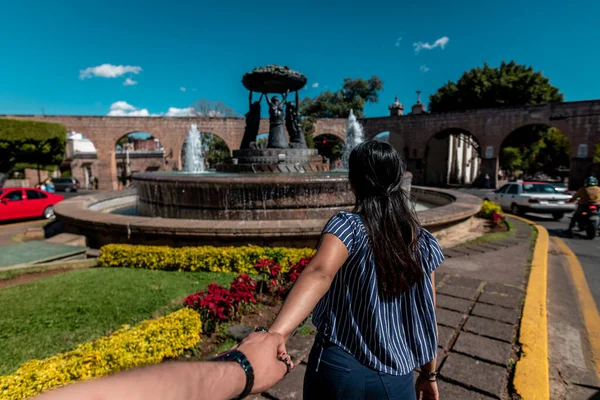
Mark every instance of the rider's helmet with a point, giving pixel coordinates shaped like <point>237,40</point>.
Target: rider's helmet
<point>591,181</point>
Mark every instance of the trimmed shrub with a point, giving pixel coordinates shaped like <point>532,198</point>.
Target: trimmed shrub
<point>488,209</point>
<point>150,342</point>
<point>239,260</point>
<point>33,142</point>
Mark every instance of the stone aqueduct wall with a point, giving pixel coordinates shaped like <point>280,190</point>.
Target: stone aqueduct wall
<point>579,121</point>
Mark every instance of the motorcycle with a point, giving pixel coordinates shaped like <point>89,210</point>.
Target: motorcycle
<point>589,220</point>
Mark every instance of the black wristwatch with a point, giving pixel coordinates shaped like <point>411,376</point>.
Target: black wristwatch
<point>431,376</point>
<point>240,358</point>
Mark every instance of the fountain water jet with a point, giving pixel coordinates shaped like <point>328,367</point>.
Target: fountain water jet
<point>354,137</point>
<point>194,153</point>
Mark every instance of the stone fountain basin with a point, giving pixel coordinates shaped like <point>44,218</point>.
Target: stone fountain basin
<point>89,216</point>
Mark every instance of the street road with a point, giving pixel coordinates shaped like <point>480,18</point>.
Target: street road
<point>587,251</point>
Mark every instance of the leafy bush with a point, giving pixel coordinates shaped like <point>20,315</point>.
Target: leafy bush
<point>488,209</point>
<point>204,258</point>
<point>38,143</point>
<point>150,342</point>
<point>219,304</point>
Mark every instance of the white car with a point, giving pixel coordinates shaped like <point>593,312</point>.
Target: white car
<point>534,197</point>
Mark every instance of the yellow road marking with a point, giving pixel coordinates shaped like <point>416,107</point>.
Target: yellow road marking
<point>532,378</point>
<point>587,305</point>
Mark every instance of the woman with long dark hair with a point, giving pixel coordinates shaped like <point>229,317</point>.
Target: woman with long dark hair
<point>371,285</point>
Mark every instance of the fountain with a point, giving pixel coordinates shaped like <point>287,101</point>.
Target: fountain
<point>279,195</point>
<point>354,137</point>
<point>285,181</point>
<point>193,161</point>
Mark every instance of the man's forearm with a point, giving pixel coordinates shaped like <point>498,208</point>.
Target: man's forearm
<point>169,381</point>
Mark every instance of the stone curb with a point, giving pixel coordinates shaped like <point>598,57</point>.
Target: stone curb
<point>532,379</point>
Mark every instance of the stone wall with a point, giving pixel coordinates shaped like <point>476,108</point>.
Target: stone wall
<point>579,121</point>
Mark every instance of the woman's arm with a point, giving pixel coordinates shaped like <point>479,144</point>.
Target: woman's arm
<point>426,387</point>
<point>311,286</point>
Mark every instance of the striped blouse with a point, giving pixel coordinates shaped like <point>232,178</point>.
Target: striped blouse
<point>389,334</point>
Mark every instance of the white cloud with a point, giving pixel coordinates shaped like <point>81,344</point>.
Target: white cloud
<point>315,85</point>
<point>441,42</point>
<point>180,112</point>
<point>398,41</point>
<point>129,82</point>
<point>424,68</point>
<point>109,71</point>
<point>182,89</point>
<point>124,109</point>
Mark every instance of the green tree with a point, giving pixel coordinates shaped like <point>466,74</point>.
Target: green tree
<point>510,84</point>
<point>30,142</point>
<point>511,159</point>
<point>354,95</point>
<point>215,149</point>
<point>596,154</point>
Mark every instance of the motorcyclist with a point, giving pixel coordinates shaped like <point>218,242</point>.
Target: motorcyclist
<point>587,195</point>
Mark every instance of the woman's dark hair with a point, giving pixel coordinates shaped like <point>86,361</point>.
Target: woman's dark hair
<point>376,171</point>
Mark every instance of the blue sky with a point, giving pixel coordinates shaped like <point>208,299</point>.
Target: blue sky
<point>205,48</point>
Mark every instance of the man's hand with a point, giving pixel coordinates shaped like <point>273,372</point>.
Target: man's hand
<point>426,390</point>
<point>262,349</point>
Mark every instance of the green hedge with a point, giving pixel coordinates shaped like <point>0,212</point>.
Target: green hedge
<point>38,143</point>
<point>239,260</point>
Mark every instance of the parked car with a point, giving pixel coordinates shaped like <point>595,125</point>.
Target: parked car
<point>535,197</point>
<point>65,184</point>
<point>17,203</point>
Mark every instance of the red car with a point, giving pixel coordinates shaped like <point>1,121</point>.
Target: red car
<point>17,203</point>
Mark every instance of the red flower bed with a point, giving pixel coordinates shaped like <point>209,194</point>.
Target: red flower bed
<point>219,304</point>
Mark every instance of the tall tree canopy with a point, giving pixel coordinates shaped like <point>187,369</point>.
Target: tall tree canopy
<point>354,95</point>
<point>510,84</point>
<point>30,143</point>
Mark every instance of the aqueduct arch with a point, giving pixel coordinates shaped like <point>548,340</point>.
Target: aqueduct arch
<point>579,121</point>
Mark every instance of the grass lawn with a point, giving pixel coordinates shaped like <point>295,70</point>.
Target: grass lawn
<point>493,236</point>
<point>52,315</point>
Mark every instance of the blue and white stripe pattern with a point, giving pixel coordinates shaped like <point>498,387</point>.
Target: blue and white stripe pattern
<point>389,334</point>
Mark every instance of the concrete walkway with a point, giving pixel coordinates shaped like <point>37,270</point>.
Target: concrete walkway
<point>480,291</point>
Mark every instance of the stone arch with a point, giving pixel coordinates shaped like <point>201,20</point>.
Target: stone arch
<point>452,156</point>
<point>382,136</point>
<point>329,145</point>
<point>217,143</point>
<point>81,159</point>
<point>136,152</point>
<point>524,138</point>
<point>332,126</point>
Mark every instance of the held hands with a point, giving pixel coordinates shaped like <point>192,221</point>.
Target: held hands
<point>263,350</point>
<point>426,389</point>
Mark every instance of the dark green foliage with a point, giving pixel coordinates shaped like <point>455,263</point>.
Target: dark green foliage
<point>511,84</point>
<point>353,95</point>
<point>332,148</point>
<point>30,142</point>
<point>216,150</point>
<point>596,154</point>
<point>536,148</point>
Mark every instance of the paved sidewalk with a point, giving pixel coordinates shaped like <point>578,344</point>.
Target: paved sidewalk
<point>480,291</point>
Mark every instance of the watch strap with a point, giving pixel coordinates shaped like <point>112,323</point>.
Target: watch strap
<point>240,358</point>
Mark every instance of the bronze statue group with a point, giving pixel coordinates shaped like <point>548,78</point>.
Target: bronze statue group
<point>283,115</point>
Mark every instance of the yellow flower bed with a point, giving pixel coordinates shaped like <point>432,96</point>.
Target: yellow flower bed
<point>147,343</point>
<point>203,258</point>
<point>488,208</point>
